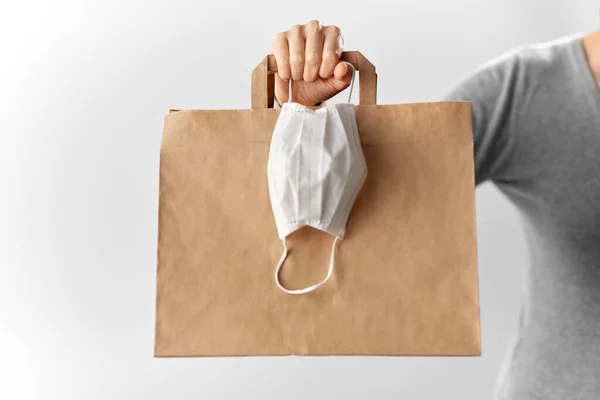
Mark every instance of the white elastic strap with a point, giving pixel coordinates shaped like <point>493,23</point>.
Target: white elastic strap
<point>351,84</point>
<point>312,287</point>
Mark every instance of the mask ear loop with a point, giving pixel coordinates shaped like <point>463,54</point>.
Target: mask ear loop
<point>353,78</point>
<point>312,287</point>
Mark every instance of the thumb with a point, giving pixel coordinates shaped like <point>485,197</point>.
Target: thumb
<point>342,76</point>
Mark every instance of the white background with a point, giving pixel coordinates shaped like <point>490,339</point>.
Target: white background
<point>84,86</point>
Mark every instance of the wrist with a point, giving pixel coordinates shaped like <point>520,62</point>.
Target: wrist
<point>317,104</point>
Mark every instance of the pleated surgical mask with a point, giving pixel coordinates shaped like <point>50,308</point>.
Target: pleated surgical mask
<point>315,170</point>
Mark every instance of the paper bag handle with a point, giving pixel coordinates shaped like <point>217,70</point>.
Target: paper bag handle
<point>263,80</point>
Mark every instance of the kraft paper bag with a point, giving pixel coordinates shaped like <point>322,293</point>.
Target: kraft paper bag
<point>406,275</point>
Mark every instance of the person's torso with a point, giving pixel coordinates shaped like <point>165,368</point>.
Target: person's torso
<point>554,180</point>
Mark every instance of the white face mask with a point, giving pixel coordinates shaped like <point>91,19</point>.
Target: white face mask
<point>316,168</point>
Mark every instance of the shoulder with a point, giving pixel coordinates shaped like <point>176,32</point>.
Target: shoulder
<point>520,70</point>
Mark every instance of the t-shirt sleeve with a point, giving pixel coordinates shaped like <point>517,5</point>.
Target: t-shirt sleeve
<point>493,89</point>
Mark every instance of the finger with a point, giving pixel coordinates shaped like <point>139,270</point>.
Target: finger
<point>281,89</point>
<point>332,50</point>
<point>343,75</point>
<point>296,44</point>
<point>314,50</point>
<point>281,52</point>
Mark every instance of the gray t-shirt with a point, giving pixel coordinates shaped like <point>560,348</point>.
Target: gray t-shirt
<point>536,125</point>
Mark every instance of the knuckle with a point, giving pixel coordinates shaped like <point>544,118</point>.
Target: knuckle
<point>281,36</point>
<point>283,69</point>
<point>334,29</point>
<point>313,59</point>
<point>282,62</point>
<point>296,29</point>
<point>330,57</point>
<point>313,26</point>
<point>296,59</point>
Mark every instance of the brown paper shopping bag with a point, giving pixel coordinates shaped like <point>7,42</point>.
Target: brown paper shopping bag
<point>405,281</point>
